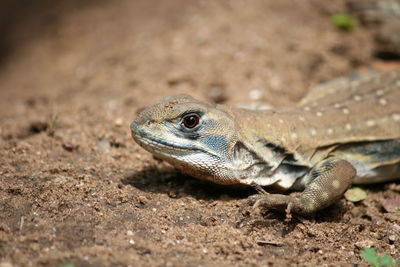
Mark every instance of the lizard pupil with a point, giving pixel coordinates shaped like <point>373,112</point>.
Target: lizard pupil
<point>190,121</point>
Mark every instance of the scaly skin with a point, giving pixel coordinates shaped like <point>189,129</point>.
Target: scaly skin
<point>346,132</point>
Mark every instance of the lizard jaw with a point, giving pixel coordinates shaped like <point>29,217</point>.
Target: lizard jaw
<point>160,146</point>
<point>197,162</point>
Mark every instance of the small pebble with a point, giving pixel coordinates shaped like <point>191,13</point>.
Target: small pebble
<point>391,205</point>
<point>392,237</point>
<point>69,146</point>
<point>255,94</point>
<point>118,122</point>
<point>142,199</point>
<point>103,146</point>
<point>173,194</point>
<point>364,244</point>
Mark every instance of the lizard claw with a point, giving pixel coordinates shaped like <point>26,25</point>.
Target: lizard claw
<point>276,202</point>
<point>258,188</point>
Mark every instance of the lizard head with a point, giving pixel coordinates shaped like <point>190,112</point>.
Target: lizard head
<point>194,136</point>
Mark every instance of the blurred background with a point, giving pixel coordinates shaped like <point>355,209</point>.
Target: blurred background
<point>75,188</point>
<point>263,49</point>
<point>212,49</point>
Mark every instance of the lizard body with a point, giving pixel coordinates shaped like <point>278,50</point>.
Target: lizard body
<point>340,134</point>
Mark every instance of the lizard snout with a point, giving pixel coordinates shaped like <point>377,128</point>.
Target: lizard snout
<point>144,117</point>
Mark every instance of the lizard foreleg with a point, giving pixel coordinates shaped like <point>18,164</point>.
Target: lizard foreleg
<point>329,179</point>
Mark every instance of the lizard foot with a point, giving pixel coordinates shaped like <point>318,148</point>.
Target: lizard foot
<point>329,179</point>
<point>277,202</point>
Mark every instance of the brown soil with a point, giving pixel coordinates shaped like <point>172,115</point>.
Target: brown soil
<point>75,188</point>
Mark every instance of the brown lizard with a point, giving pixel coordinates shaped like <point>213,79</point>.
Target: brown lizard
<point>344,133</point>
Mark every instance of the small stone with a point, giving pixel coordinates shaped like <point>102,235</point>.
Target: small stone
<point>391,205</point>
<point>129,232</point>
<point>103,146</point>
<point>364,244</point>
<point>59,179</point>
<point>69,146</point>
<point>173,194</point>
<point>394,187</point>
<point>118,122</point>
<point>392,237</point>
<point>255,94</point>
<point>143,200</point>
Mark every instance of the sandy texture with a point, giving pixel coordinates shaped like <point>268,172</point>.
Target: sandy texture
<point>75,188</point>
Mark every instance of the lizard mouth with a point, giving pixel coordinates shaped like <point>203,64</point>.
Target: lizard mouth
<point>154,144</point>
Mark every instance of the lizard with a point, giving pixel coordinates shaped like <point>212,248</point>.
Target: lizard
<point>340,134</point>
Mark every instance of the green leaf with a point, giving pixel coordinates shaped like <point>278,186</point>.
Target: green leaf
<point>386,260</point>
<point>66,265</point>
<point>355,194</point>
<point>342,21</point>
<point>369,255</point>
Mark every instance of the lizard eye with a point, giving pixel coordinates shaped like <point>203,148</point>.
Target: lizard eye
<point>191,120</point>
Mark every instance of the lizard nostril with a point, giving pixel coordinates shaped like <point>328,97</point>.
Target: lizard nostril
<point>144,117</point>
<point>141,120</point>
<point>148,122</point>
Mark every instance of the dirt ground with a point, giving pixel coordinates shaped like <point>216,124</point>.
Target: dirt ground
<point>76,189</point>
